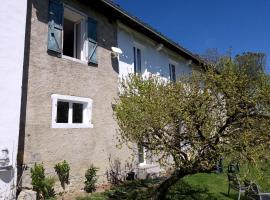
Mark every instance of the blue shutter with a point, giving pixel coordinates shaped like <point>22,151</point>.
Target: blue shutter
<point>92,41</point>
<point>55,24</point>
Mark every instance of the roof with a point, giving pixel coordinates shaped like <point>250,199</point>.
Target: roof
<point>114,11</point>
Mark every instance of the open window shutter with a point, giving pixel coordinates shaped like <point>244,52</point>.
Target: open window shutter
<point>55,26</point>
<point>92,41</point>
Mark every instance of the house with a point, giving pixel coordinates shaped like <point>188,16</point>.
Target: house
<point>70,83</point>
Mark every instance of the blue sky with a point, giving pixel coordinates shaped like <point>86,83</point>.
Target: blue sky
<point>198,25</point>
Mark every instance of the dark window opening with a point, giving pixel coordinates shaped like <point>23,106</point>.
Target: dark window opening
<point>62,112</point>
<point>72,38</point>
<point>77,116</point>
<point>68,47</point>
<point>137,60</point>
<point>172,73</point>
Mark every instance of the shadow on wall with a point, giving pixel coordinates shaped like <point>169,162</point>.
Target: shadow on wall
<point>7,176</point>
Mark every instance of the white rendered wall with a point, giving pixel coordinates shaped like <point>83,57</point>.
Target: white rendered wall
<point>153,61</point>
<point>12,35</point>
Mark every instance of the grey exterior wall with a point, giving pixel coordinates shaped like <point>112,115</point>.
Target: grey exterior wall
<point>49,75</point>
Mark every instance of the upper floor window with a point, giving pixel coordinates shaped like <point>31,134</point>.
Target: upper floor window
<point>172,72</point>
<point>74,36</point>
<point>71,33</point>
<point>137,60</point>
<point>71,112</point>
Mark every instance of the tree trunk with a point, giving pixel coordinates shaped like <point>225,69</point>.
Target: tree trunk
<point>164,187</point>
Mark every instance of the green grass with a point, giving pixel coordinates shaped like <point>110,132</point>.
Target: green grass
<point>196,187</point>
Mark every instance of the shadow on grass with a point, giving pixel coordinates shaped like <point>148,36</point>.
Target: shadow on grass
<point>144,190</point>
<point>184,191</point>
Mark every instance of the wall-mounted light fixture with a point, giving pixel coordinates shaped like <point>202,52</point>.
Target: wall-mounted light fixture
<point>116,52</point>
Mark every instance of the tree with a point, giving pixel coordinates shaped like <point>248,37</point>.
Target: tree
<point>254,63</point>
<point>189,125</point>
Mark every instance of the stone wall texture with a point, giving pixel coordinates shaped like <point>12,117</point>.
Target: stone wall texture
<point>49,75</point>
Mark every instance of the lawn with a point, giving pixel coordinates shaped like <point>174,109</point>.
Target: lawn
<point>196,187</point>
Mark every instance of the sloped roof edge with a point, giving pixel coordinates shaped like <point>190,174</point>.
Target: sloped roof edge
<point>167,42</point>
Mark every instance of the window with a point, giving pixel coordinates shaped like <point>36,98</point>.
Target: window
<point>137,60</point>
<point>71,34</point>
<point>74,34</point>
<point>172,72</point>
<point>141,154</point>
<point>71,112</point>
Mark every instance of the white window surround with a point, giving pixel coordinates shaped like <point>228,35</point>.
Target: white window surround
<point>87,111</point>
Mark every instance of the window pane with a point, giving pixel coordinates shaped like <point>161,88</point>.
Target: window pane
<point>77,113</point>
<point>139,69</point>
<point>62,112</point>
<point>78,41</point>
<point>172,73</point>
<point>135,62</point>
<point>141,153</point>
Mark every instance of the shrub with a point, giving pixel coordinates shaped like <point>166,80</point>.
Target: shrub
<point>62,170</point>
<point>41,184</point>
<point>90,182</point>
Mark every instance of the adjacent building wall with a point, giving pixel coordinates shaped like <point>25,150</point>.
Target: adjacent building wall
<point>12,16</point>
<point>153,61</point>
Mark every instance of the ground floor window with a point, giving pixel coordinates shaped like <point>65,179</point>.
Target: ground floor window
<point>141,154</point>
<point>71,112</point>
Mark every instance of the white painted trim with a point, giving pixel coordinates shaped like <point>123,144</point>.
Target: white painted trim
<point>138,45</point>
<point>175,63</point>
<point>87,111</point>
<point>75,59</point>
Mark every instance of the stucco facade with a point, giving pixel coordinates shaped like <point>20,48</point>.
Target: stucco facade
<point>48,75</point>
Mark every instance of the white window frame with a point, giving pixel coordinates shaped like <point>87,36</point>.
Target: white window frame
<point>87,111</point>
<point>83,37</point>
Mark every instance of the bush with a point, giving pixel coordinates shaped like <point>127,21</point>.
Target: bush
<point>41,184</point>
<point>62,170</point>
<point>90,182</point>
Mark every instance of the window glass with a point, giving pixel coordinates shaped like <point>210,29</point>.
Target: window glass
<point>62,112</point>
<point>172,73</point>
<point>141,153</point>
<point>77,113</point>
<point>137,60</point>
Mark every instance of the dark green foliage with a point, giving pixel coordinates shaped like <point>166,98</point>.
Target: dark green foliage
<point>62,170</point>
<point>90,182</point>
<point>41,184</point>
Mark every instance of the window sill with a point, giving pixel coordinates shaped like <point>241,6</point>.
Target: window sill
<point>75,60</point>
<point>60,125</point>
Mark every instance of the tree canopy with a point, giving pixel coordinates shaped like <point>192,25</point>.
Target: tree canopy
<point>202,117</point>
